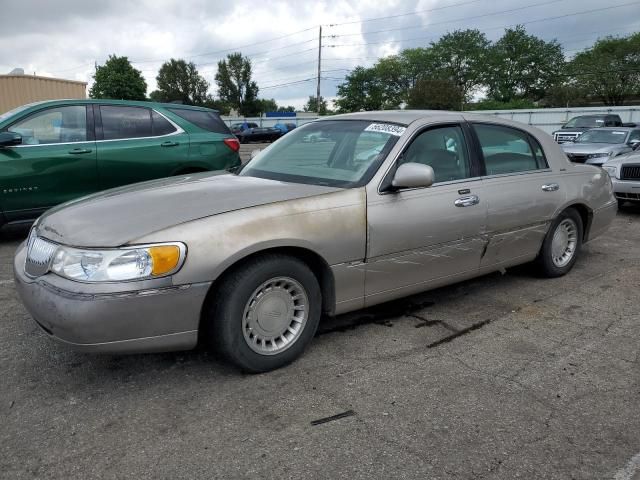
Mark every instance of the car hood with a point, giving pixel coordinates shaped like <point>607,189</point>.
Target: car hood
<point>119,216</point>
<point>629,158</point>
<point>590,147</point>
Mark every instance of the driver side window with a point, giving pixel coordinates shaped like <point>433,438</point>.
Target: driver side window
<point>54,125</point>
<point>443,149</point>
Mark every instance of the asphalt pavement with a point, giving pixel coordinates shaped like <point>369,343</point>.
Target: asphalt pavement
<point>502,377</point>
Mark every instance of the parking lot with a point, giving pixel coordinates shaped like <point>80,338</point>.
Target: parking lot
<point>506,376</point>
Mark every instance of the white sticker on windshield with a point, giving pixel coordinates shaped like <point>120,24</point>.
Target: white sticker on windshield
<point>396,130</point>
<point>619,133</point>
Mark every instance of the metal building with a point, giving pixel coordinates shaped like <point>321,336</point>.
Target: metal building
<point>16,90</point>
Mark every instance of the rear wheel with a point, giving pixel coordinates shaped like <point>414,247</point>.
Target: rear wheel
<point>265,313</point>
<point>561,245</point>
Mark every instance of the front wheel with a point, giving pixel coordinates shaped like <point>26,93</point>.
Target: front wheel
<point>561,245</point>
<point>265,313</point>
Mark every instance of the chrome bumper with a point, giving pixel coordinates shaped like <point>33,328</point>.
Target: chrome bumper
<point>126,321</point>
<point>626,189</point>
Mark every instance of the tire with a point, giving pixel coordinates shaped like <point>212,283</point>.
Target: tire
<point>262,300</point>
<point>555,262</point>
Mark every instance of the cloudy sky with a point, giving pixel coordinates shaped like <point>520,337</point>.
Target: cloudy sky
<point>66,37</point>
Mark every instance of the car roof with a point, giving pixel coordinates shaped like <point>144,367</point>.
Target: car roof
<point>617,129</point>
<point>105,101</point>
<point>395,116</point>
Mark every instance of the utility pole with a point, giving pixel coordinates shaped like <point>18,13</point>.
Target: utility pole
<point>319,68</point>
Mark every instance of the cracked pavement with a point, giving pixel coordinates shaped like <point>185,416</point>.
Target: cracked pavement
<point>501,377</point>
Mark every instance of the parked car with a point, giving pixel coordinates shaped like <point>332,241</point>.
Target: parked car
<point>259,134</point>
<point>55,151</point>
<point>578,125</point>
<point>599,145</point>
<point>248,262</point>
<point>625,175</point>
<point>239,126</point>
<point>284,127</point>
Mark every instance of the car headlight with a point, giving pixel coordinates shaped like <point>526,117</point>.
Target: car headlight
<point>601,154</point>
<point>611,170</point>
<point>122,264</point>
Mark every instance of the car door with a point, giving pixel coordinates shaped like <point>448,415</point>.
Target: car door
<point>56,161</point>
<point>522,193</point>
<point>137,144</point>
<point>421,237</point>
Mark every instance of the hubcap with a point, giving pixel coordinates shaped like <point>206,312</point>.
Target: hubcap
<point>275,315</point>
<point>565,240</point>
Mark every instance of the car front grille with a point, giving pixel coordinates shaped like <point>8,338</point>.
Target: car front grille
<point>630,172</point>
<point>39,255</point>
<point>577,157</point>
<point>565,137</point>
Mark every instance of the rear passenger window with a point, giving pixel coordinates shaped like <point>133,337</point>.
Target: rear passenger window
<point>444,150</point>
<point>507,150</point>
<point>160,125</point>
<point>125,122</point>
<point>206,120</point>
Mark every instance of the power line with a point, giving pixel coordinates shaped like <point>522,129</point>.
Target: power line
<point>494,28</point>
<point>484,15</point>
<point>404,14</point>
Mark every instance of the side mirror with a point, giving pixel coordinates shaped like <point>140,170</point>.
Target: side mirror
<point>634,144</point>
<point>413,175</point>
<point>10,139</point>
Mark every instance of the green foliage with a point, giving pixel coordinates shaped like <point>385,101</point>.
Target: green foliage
<point>288,109</point>
<point>610,70</point>
<point>180,81</point>
<point>267,105</point>
<point>435,94</point>
<point>117,79</point>
<point>522,66</point>
<point>235,86</point>
<point>461,57</point>
<point>312,105</point>
<point>362,90</point>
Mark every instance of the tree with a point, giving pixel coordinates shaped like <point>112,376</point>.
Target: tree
<point>522,66</point>
<point>179,81</point>
<point>267,105</point>
<point>610,70</point>
<point>118,79</point>
<point>461,57</point>
<point>312,105</point>
<point>435,94</point>
<point>235,86</point>
<point>287,109</point>
<point>362,90</point>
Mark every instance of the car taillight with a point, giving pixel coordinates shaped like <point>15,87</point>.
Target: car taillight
<point>232,143</point>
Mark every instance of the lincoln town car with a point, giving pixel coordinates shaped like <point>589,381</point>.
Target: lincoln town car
<point>389,204</point>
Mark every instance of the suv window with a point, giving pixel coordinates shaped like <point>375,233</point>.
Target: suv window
<point>54,125</point>
<point>442,148</point>
<point>634,135</point>
<point>160,125</point>
<point>507,150</point>
<point>209,121</point>
<point>125,122</point>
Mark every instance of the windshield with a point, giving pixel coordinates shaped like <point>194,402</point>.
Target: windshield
<point>339,153</point>
<point>603,136</point>
<point>588,122</point>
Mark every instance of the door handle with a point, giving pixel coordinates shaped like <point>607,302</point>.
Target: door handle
<point>169,143</point>
<point>467,201</point>
<point>77,151</point>
<point>550,187</point>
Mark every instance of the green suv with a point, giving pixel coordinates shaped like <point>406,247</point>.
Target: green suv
<point>55,151</point>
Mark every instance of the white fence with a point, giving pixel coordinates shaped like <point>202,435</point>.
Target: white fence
<point>547,119</point>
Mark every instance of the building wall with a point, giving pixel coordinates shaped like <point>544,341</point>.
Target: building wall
<point>547,119</point>
<point>16,90</point>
